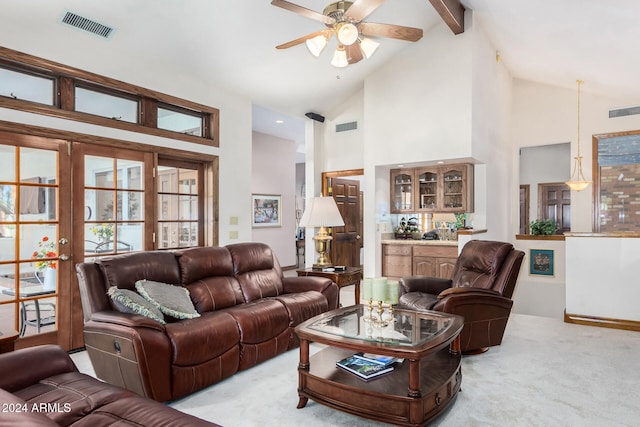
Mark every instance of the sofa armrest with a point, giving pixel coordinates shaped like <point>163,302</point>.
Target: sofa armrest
<point>305,283</point>
<point>327,287</point>
<point>426,284</point>
<point>22,368</point>
<point>467,291</point>
<point>126,319</point>
<point>474,304</point>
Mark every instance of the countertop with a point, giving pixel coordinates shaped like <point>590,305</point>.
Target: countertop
<point>420,242</point>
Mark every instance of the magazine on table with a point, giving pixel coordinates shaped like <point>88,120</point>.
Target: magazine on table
<point>377,358</point>
<point>363,368</point>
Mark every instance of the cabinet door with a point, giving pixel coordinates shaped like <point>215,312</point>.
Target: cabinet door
<point>445,267</point>
<point>402,190</point>
<point>396,261</point>
<point>424,266</point>
<point>457,188</point>
<point>427,199</point>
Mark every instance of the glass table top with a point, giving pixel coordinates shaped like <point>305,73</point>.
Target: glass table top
<point>398,327</point>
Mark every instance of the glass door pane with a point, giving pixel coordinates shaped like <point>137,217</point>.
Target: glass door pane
<point>114,205</point>
<point>29,235</point>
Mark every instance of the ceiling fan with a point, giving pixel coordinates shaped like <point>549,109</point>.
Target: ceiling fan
<point>345,20</point>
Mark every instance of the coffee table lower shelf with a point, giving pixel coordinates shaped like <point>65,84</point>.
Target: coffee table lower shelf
<point>386,398</point>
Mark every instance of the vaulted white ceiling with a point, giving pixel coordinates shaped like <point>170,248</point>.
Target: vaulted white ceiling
<point>232,43</point>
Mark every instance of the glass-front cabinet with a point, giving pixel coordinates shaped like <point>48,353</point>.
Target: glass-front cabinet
<point>402,190</point>
<point>437,189</point>
<point>427,189</point>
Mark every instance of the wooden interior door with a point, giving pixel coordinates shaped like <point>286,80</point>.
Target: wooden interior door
<point>555,203</point>
<point>35,238</point>
<point>345,247</point>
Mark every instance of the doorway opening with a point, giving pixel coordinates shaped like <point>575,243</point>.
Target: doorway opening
<point>348,242</point>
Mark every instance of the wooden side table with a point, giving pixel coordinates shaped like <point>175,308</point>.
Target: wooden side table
<point>351,276</point>
<point>7,340</point>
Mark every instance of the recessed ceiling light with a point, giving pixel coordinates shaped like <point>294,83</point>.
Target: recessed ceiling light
<point>400,166</point>
<point>279,122</point>
<point>440,162</point>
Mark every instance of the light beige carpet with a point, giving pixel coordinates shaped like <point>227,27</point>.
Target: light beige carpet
<point>546,373</point>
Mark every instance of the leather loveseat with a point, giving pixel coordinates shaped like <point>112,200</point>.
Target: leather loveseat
<point>248,312</point>
<point>41,386</point>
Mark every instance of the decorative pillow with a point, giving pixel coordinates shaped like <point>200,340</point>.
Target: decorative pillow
<point>127,301</point>
<point>172,300</point>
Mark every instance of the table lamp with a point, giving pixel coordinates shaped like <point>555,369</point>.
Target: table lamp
<point>322,212</point>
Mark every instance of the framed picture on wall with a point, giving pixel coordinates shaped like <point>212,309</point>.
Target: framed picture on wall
<point>541,262</point>
<point>266,210</point>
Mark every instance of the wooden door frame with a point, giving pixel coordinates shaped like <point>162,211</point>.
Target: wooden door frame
<point>342,174</point>
<point>337,174</point>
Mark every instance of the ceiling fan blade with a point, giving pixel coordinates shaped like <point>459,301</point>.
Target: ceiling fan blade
<point>360,9</point>
<point>389,30</point>
<point>326,33</point>
<point>308,13</point>
<point>354,54</point>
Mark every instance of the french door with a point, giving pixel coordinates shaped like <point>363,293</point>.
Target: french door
<point>62,203</point>
<point>35,238</point>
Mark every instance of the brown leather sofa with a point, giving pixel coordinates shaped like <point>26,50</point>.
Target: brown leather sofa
<point>248,315</point>
<point>41,386</point>
<point>480,290</point>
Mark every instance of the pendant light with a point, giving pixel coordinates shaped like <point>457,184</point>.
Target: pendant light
<point>577,181</point>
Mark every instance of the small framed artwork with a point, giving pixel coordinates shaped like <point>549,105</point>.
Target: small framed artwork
<point>266,209</point>
<point>541,262</point>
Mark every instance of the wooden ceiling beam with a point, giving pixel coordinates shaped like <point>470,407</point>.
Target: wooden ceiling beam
<point>452,12</point>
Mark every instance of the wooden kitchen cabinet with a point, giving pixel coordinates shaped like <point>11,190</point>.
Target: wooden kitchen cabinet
<point>434,261</point>
<point>404,260</point>
<point>396,261</point>
<point>403,190</point>
<point>444,188</point>
<point>432,189</point>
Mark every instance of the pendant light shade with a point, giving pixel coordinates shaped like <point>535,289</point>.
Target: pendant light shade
<point>577,181</point>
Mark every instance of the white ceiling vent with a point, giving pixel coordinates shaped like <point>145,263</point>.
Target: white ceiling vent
<point>621,112</point>
<point>343,127</point>
<point>88,25</point>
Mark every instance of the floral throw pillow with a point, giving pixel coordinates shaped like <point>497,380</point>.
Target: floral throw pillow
<point>127,301</point>
<point>171,300</point>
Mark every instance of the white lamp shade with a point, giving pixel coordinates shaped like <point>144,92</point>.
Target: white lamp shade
<point>321,212</point>
<point>340,58</point>
<point>317,44</point>
<point>368,46</point>
<point>347,34</point>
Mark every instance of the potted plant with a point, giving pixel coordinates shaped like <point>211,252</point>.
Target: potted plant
<point>543,227</point>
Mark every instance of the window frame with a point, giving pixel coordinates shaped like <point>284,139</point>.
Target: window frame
<point>33,72</point>
<point>65,80</point>
<point>595,165</point>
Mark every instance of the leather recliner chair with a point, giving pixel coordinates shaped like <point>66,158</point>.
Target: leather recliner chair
<point>480,290</point>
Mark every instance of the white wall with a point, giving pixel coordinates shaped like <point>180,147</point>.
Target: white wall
<point>544,115</point>
<point>346,147</point>
<point>602,277</point>
<point>274,172</point>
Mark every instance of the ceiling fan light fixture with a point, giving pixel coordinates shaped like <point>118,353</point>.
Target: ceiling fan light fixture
<point>340,58</point>
<point>347,34</point>
<point>368,46</point>
<point>317,44</point>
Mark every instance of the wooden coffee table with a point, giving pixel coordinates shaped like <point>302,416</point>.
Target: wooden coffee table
<point>417,390</point>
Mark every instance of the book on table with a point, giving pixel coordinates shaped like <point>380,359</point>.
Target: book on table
<point>377,358</point>
<point>363,368</point>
